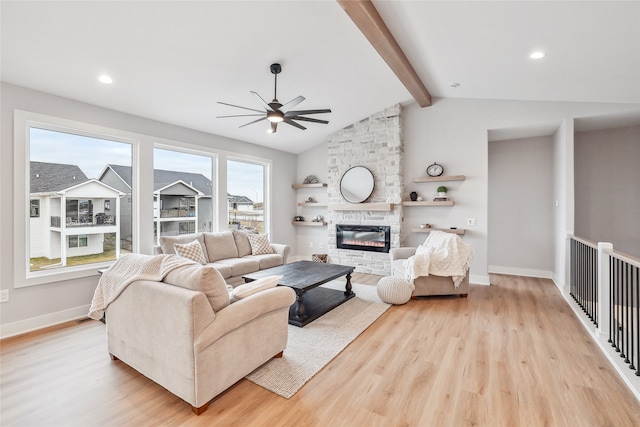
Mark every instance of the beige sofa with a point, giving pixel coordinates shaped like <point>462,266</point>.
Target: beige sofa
<point>173,335</point>
<point>427,285</point>
<point>229,252</point>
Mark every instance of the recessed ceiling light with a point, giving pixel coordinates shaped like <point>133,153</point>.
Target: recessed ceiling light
<point>105,79</point>
<point>537,55</point>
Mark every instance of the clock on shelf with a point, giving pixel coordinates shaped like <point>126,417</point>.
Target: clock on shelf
<point>435,169</point>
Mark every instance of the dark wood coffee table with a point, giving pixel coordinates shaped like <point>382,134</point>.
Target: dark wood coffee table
<point>305,277</point>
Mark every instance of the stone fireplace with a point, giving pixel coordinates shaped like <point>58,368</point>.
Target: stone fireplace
<point>375,143</point>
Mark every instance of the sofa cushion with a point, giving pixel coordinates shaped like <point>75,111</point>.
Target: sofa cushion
<point>167,242</point>
<point>202,278</point>
<point>242,242</point>
<point>224,269</point>
<point>243,291</point>
<point>220,245</point>
<point>259,244</point>
<point>267,260</point>
<point>240,266</point>
<point>397,267</point>
<point>192,251</point>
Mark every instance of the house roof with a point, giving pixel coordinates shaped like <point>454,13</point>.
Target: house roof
<point>163,178</point>
<point>52,177</point>
<point>240,200</point>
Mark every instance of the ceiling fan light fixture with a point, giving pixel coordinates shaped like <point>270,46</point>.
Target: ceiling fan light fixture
<point>275,116</point>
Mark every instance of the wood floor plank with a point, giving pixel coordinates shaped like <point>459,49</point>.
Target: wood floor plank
<point>511,354</point>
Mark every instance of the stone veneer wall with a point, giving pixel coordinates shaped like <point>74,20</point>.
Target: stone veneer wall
<point>375,143</point>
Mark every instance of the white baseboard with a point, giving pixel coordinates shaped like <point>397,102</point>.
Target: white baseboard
<point>525,272</point>
<point>478,279</point>
<point>35,323</point>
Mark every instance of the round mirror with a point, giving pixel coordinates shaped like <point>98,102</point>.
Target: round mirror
<point>356,184</point>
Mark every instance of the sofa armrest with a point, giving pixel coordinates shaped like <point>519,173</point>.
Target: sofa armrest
<point>402,253</point>
<point>282,250</point>
<point>157,250</point>
<point>244,311</point>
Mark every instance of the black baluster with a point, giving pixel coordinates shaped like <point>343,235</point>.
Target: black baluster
<point>611,305</point>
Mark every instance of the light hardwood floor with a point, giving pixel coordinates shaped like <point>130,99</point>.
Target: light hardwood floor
<point>511,354</point>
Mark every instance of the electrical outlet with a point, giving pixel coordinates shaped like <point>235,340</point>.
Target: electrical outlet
<point>4,295</point>
<point>321,245</point>
<point>311,244</point>
<point>471,221</point>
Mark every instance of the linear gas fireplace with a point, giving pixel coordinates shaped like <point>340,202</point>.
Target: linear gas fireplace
<point>373,238</point>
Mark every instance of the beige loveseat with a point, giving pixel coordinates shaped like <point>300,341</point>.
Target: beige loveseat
<point>184,334</point>
<point>426,285</point>
<point>229,252</point>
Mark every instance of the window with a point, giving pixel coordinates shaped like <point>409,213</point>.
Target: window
<point>78,241</point>
<point>35,208</point>
<point>187,227</point>
<point>184,189</point>
<point>72,172</point>
<point>245,195</point>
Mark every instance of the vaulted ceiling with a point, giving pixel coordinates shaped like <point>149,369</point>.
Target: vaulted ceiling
<point>173,61</point>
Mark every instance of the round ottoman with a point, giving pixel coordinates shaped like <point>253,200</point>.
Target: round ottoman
<point>394,290</point>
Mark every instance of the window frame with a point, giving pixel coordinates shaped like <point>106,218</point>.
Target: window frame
<point>266,180</point>
<point>23,122</point>
<point>31,208</point>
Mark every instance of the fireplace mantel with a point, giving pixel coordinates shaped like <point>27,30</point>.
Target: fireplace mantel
<point>386,207</point>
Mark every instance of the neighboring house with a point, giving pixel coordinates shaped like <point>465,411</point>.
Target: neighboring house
<point>69,213</point>
<point>182,201</point>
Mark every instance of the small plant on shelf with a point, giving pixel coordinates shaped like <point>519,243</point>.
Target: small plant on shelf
<point>442,191</point>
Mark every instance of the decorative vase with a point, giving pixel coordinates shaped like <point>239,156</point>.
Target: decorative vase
<point>441,194</point>
<point>414,196</point>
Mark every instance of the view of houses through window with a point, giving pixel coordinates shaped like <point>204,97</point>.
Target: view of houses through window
<point>245,195</point>
<point>182,193</point>
<point>75,215</point>
<point>80,203</point>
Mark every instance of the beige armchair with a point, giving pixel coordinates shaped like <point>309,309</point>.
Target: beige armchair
<point>426,285</point>
<point>173,336</point>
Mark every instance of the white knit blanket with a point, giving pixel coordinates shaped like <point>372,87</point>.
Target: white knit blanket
<point>442,254</point>
<point>126,270</point>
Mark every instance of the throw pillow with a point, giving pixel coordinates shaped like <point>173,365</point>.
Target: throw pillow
<point>192,251</point>
<point>205,279</point>
<point>259,244</point>
<point>243,291</point>
<point>166,242</point>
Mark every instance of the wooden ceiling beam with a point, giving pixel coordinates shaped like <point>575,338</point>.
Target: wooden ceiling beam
<point>364,14</point>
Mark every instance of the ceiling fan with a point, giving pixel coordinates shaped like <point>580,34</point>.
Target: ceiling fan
<point>275,112</point>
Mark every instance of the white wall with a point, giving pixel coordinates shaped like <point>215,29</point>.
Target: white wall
<point>41,305</point>
<point>607,175</point>
<point>312,162</point>
<point>453,132</point>
<point>521,214</point>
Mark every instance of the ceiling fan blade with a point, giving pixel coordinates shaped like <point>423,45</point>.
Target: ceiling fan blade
<point>292,123</point>
<point>289,105</point>
<point>241,115</point>
<point>274,127</point>
<point>237,106</point>
<point>263,102</point>
<point>255,121</point>
<point>309,119</point>
<point>302,112</point>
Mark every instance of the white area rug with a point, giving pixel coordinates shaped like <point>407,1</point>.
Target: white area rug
<point>310,348</point>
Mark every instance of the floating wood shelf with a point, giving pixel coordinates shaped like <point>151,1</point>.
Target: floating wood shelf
<point>459,231</point>
<point>440,178</point>
<point>427,203</point>
<point>362,207</point>
<point>316,185</point>
<point>310,223</point>
<point>313,205</point>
